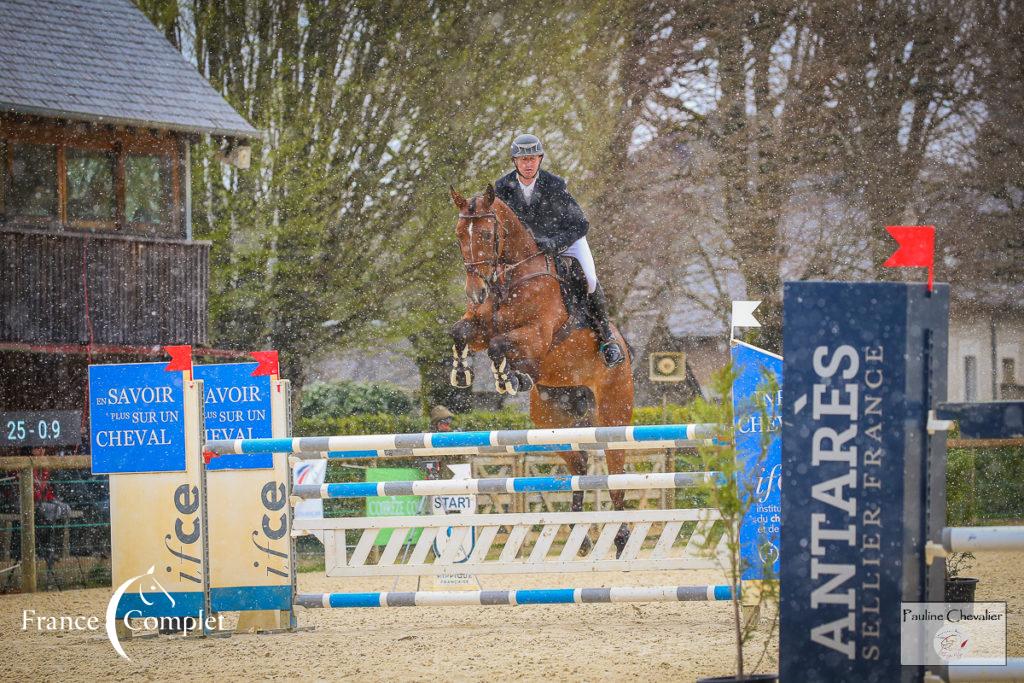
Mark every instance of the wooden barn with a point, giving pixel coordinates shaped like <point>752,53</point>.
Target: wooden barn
<point>97,258</point>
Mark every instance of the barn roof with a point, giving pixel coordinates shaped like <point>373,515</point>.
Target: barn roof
<point>102,60</point>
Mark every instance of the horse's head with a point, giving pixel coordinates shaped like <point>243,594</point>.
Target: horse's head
<point>482,241</point>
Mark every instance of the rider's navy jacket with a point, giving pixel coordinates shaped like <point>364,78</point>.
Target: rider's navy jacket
<point>553,216</point>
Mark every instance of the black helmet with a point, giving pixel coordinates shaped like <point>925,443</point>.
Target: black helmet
<point>527,145</point>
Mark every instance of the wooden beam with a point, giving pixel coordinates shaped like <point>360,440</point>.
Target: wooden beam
<point>49,462</point>
<point>28,532</point>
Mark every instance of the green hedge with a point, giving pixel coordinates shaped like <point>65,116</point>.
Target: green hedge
<point>652,415</point>
<point>355,398</point>
<point>984,485</point>
<point>385,423</point>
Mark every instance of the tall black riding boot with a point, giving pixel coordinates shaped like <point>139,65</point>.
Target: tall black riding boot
<point>597,307</point>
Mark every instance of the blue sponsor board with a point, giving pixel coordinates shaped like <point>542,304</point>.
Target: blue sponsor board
<point>759,532</point>
<point>236,405</point>
<point>137,419</point>
<point>863,362</point>
<point>139,605</point>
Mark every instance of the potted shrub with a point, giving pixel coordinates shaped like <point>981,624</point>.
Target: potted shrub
<point>959,588</point>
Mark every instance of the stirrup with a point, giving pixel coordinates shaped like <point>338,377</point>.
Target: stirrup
<point>612,354</point>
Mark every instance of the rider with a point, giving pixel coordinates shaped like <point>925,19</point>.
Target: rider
<point>542,202</point>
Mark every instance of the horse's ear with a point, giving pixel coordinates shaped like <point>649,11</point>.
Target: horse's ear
<point>457,199</point>
<point>489,195</point>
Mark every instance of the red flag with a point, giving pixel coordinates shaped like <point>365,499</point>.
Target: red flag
<point>916,250</point>
<point>181,358</point>
<point>268,363</point>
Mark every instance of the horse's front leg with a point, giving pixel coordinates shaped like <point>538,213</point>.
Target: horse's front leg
<point>467,336</point>
<point>515,360</point>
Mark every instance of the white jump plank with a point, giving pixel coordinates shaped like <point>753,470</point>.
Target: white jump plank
<point>362,550</point>
<point>604,542</point>
<point>636,540</point>
<point>668,537</point>
<point>513,543</point>
<point>454,544</point>
<point>423,546</point>
<point>543,543</point>
<point>570,552</point>
<point>484,540</point>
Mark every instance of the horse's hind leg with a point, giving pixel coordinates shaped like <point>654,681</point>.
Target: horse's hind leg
<point>550,409</point>
<point>614,404</point>
<point>577,463</point>
<point>616,465</point>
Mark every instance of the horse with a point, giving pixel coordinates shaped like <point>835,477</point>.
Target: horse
<point>515,312</point>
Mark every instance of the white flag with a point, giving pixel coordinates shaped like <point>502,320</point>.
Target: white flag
<point>743,314</point>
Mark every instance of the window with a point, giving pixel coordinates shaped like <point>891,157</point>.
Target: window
<point>970,378</point>
<point>33,180</point>
<point>146,189</point>
<point>85,178</point>
<point>90,178</point>
<point>1009,371</point>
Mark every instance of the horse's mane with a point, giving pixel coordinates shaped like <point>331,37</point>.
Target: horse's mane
<point>506,214</point>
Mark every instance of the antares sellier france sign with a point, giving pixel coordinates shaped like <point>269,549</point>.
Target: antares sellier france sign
<point>863,362</point>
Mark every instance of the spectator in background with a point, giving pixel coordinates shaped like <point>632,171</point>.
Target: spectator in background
<point>51,512</point>
<point>440,419</point>
<point>9,505</point>
<point>42,489</point>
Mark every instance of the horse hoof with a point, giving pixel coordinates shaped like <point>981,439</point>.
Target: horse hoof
<point>462,378</point>
<point>525,381</point>
<point>620,540</point>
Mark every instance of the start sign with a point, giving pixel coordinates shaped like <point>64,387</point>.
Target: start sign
<point>463,504</point>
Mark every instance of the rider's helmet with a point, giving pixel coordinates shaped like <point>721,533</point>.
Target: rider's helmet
<point>527,145</point>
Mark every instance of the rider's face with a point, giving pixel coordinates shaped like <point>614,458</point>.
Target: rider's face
<point>527,166</point>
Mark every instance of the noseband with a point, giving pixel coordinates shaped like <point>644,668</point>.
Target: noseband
<point>499,239</point>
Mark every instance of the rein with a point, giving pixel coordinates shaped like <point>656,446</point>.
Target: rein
<point>501,268</point>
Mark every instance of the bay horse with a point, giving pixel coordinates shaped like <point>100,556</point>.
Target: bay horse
<point>515,312</point>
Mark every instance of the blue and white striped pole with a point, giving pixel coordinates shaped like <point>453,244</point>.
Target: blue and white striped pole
<point>526,449</point>
<point>541,596</point>
<point>370,444</point>
<point>454,487</point>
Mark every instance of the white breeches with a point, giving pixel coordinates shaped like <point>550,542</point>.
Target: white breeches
<point>580,251</point>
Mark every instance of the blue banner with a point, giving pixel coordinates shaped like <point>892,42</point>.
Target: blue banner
<point>759,532</point>
<point>136,416</point>
<point>236,405</point>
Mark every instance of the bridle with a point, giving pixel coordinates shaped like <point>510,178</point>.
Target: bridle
<point>497,280</point>
<point>472,266</point>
